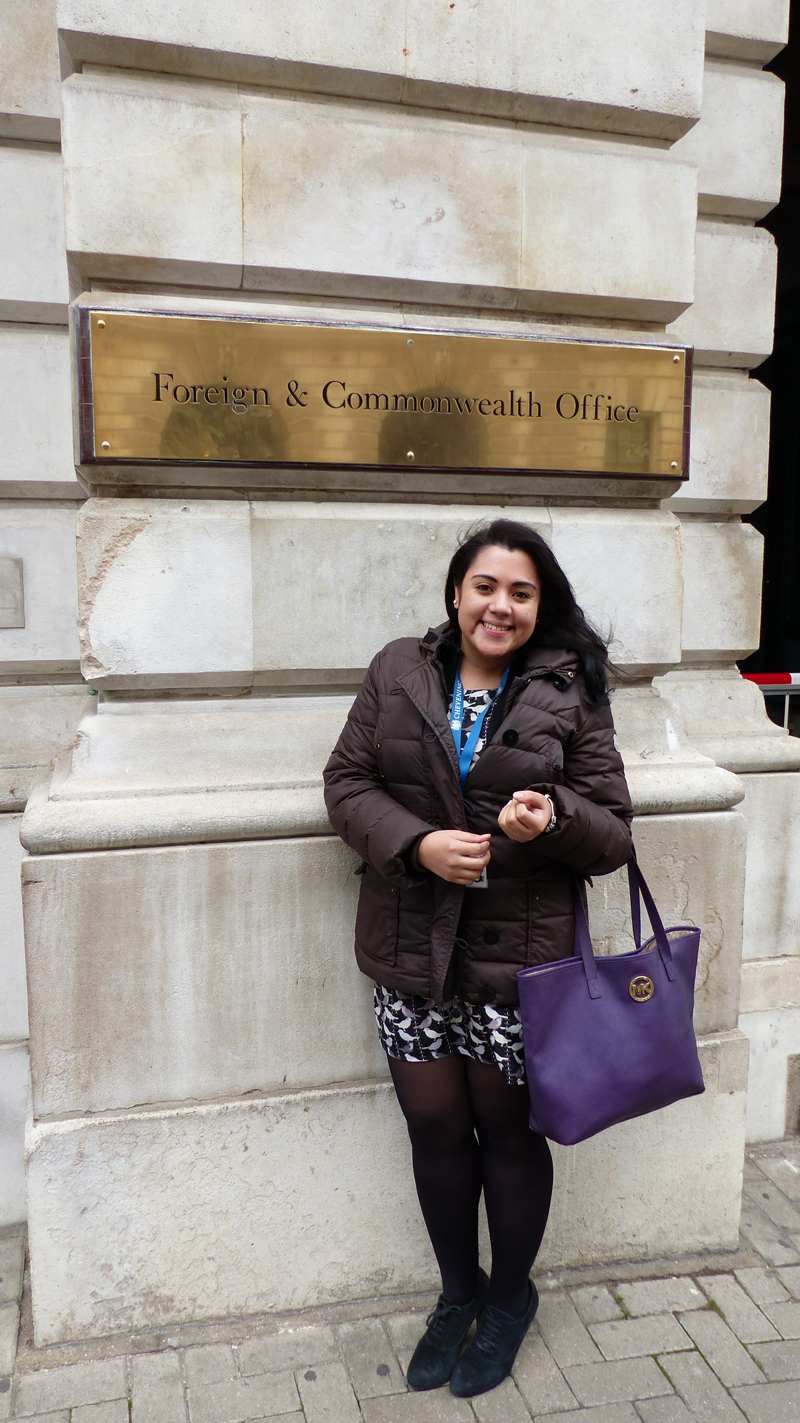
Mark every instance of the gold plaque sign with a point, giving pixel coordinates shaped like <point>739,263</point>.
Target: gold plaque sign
<point>641,989</point>
<point>175,389</point>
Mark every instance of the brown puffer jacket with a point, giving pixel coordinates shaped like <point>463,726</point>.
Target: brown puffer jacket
<point>393,777</point>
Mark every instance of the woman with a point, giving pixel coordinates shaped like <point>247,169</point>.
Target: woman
<point>477,772</point>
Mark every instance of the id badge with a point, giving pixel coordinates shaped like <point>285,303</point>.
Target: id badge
<point>482,882</point>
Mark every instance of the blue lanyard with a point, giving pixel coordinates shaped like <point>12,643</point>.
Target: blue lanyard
<point>466,752</point>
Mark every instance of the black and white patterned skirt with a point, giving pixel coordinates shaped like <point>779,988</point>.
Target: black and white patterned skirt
<point>418,1030</point>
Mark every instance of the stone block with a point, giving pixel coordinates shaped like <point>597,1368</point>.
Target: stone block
<point>291,1192</point>
<point>13,999</point>
<point>14,1091</point>
<point>771,809</point>
<point>729,450</point>
<point>33,269</point>
<point>721,590</point>
<point>370,1359</point>
<point>731,321</point>
<point>747,29</point>
<point>166,593</point>
<point>771,983</point>
<point>617,1382</point>
<point>235,974</point>
<point>689,863</point>
<point>725,718</point>
<point>774,1036</point>
<point>522,64</point>
<point>699,1388</point>
<point>616,256</point>
<point>660,1296</point>
<point>738,142</point>
<point>43,536</point>
<point>94,1381</point>
<point>37,459</point>
<point>170,204</point>
<point>37,723</point>
<point>30,102</point>
<point>182,594</point>
<point>744,1317</point>
<point>720,1348</point>
<point>447,235</point>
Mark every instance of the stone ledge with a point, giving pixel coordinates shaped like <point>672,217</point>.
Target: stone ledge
<point>770,983</point>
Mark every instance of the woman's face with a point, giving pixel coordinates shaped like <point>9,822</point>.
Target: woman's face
<point>497,603</point>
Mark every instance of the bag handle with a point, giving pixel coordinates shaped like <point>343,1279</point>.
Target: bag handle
<point>583,942</point>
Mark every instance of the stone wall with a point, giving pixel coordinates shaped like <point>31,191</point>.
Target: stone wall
<point>211,1129</point>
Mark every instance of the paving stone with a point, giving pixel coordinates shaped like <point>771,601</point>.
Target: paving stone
<point>51,1389</point>
<point>789,1276</point>
<point>610,1413</point>
<point>700,1389</point>
<point>779,1361</point>
<point>12,1259</point>
<point>618,1382</point>
<point>595,1304</point>
<point>370,1359</point>
<point>209,1363</point>
<point>762,1285</point>
<point>786,1318</point>
<point>9,1329</point>
<point>564,1333</point>
<point>661,1296</point>
<point>289,1349</point>
<point>765,1237</point>
<point>237,1400</point>
<point>5,1397</point>
<point>720,1348</point>
<point>774,1204</point>
<point>651,1334</point>
<point>744,1317</point>
<point>542,1386</point>
<point>770,1403</point>
<point>62,1416</point>
<point>784,1173</point>
<point>157,1388</point>
<point>664,1410</point>
<point>326,1394</point>
<point>503,1405</point>
<point>405,1330</point>
<point>115,1411</point>
<point>438,1406</point>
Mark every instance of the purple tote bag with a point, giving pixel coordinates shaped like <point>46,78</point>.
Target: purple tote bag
<point>610,1038</point>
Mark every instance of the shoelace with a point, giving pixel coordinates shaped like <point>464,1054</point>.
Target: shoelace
<point>442,1312</point>
<point>487,1338</point>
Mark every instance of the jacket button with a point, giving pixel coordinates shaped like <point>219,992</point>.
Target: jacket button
<point>487,995</point>
<point>510,737</point>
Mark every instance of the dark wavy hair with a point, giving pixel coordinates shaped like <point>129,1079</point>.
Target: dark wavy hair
<point>561,622</point>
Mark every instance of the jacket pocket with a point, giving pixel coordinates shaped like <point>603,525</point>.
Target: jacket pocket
<point>377,917</point>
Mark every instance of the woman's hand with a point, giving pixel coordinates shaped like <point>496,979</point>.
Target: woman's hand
<point>525,816</point>
<point>454,855</point>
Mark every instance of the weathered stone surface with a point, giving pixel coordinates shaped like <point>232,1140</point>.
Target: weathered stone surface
<point>30,105</point>
<point>721,590</point>
<point>774,1036</point>
<point>37,459</point>
<point>729,451</point>
<point>737,143</point>
<point>771,808</point>
<point>731,321</point>
<point>37,723</point>
<point>43,536</point>
<point>13,999</point>
<point>171,137</point>
<point>693,865</point>
<point>281,1236</point>
<point>725,718</point>
<point>201,1003</point>
<point>33,270</point>
<point>522,64</point>
<point>14,1090</point>
<point>747,29</point>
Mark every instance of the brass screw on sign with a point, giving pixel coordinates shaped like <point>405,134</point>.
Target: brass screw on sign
<point>641,989</point>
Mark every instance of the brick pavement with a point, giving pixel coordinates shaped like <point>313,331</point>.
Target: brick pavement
<point>710,1339</point>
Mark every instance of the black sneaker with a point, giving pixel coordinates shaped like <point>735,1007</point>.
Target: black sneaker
<point>436,1354</point>
<point>490,1355</point>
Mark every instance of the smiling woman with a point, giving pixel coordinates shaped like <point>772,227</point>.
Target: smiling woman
<point>480,757</point>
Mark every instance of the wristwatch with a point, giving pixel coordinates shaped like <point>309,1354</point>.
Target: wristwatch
<point>552,823</point>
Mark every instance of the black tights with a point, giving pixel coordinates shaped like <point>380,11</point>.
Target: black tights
<point>469,1132</point>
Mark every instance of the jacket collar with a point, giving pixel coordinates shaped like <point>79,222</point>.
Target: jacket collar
<point>442,645</point>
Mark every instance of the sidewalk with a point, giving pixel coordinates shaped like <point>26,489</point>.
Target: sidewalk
<point>712,1338</point>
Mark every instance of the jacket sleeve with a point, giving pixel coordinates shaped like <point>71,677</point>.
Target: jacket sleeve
<point>361,811</point>
<point>593,806</point>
